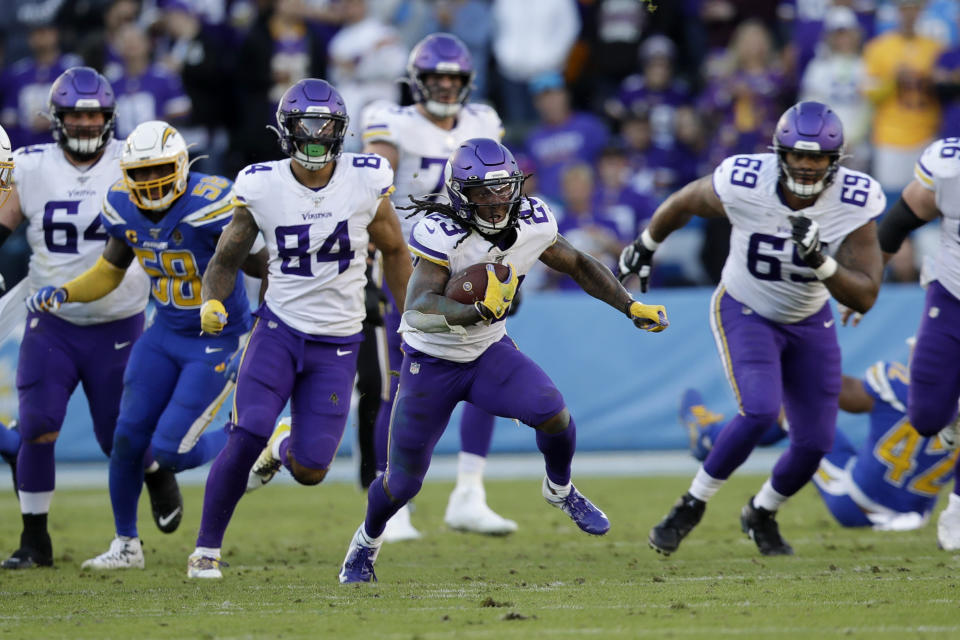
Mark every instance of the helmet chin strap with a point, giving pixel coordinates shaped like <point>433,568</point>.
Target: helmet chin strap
<point>805,191</point>
<point>310,166</point>
<point>442,109</point>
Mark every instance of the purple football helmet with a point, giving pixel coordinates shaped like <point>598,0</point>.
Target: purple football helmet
<point>82,89</point>
<point>484,185</point>
<point>808,128</point>
<point>440,54</point>
<point>311,123</point>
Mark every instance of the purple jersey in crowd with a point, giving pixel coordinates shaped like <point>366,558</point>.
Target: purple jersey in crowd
<point>635,96</point>
<point>949,61</point>
<point>25,90</point>
<point>553,147</point>
<point>156,94</point>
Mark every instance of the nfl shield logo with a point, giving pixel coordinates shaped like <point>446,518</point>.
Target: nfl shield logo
<point>155,233</point>
<point>414,368</point>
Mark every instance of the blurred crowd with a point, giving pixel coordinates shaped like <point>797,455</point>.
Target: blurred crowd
<point>611,105</point>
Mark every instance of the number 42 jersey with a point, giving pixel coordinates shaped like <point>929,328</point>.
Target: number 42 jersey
<point>763,269</point>
<point>61,203</point>
<point>317,239</point>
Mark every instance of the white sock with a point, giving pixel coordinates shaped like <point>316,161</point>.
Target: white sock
<point>953,502</point>
<point>275,450</point>
<point>35,502</point>
<point>470,469</point>
<point>562,490</point>
<point>704,486</point>
<point>768,498</point>
<point>206,552</point>
<point>366,539</point>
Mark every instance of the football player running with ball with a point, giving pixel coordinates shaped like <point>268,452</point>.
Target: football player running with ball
<point>803,230</point>
<point>317,212</point>
<point>455,351</point>
<point>417,140</point>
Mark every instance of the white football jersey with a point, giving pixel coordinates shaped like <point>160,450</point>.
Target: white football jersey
<point>938,169</point>
<point>316,240</point>
<point>435,238</point>
<point>763,269</point>
<point>62,205</point>
<point>422,147</point>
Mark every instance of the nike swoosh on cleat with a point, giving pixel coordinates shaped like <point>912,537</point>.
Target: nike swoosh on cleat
<point>120,345</point>
<point>167,519</point>
<point>340,352</point>
<point>212,349</point>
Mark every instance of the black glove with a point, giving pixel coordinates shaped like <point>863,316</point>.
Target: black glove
<point>806,235</point>
<point>636,258</point>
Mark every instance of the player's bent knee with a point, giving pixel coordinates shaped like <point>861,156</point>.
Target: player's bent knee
<point>306,475</point>
<point>401,486</point>
<point>556,424</point>
<point>928,422</point>
<point>45,438</point>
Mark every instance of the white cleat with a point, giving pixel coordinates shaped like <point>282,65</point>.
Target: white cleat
<point>467,510</point>
<point>268,464</point>
<point>205,567</point>
<point>124,553</point>
<point>399,527</point>
<point>948,525</point>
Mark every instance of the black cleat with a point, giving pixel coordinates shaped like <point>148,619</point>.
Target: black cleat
<point>165,499</point>
<point>761,526</point>
<point>26,558</point>
<point>665,538</point>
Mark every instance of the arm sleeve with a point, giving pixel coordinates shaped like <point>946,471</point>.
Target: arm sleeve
<point>95,282</point>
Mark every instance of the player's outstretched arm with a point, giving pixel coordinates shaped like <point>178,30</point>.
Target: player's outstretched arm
<point>233,249</point>
<point>599,282</point>
<point>386,234</point>
<point>104,276</point>
<point>696,198</point>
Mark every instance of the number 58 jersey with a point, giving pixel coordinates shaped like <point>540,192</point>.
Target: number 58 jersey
<point>763,270</point>
<point>61,203</point>
<point>317,240</point>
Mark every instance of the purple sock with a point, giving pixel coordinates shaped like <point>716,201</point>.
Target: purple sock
<point>226,484</point>
<point>557,450</point>
<point>35,467</point>
<point>380,508</point>
<point>476,430</point>
<point>381,435</point>
<point>734,444</point>
<point>794,469</point>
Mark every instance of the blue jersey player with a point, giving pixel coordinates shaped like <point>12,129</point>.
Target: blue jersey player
<point>891,482</point>
<point>170,220</point>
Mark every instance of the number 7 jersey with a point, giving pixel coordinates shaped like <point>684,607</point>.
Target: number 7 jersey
<point>317,239</point>
<point>763,269</point>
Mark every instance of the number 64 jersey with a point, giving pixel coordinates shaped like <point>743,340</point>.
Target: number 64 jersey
<point>763,270</point>
<point>61,204</point>
<point>317,240</point>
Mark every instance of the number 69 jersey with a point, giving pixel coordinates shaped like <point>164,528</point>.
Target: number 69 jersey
<point>440,240</point>
<point>61,203</point>
<point>763,269</point>
<point>317,240</point>
<point>938,170</point>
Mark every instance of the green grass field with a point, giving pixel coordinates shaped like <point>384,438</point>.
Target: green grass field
<point>547,580</point>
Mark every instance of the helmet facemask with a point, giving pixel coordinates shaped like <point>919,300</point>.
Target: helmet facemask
<point>313,139</point>
<point>806,182</point>
<point>491,204</point>
<point>156,193</point>
<point>83,141</point>
<point>430,98</point>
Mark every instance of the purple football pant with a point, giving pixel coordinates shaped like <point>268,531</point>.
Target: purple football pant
<point>502,381</point>
<point>277,365</point>
<point>476,426</point>
<point>56,356</point>
<point>769,364</point>
<point>935,364</point>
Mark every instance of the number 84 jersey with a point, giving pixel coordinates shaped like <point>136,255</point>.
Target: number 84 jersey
<point>763,270</point>
<point>317,240</point>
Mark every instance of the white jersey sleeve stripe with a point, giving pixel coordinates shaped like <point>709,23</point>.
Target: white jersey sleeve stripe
<point>110,213</point>
<point>432,256</point>
<point>923,175</point>
<point>213,211</point>
<point>877,379</point>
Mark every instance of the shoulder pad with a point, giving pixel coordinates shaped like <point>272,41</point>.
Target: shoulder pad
<point>379,121</point>
<point>938,161</point>
<point>882,379</point>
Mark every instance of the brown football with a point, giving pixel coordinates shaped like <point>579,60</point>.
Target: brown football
<point>470,285</point>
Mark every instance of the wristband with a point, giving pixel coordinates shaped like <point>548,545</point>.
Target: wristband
<point>647,240</point>
<point>626,308</point>
<point>827,269</point>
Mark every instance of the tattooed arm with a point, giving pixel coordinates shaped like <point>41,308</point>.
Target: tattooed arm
<point>425,294</point>
<point>232,253</point>
<point>856,282</point>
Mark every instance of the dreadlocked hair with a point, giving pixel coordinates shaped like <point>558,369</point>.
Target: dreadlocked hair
<point>426,205</point>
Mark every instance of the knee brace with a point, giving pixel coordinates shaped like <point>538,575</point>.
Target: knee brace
<point>556,424</point>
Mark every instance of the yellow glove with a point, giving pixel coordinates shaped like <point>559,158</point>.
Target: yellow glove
<point>649,317</point>
<point>499,295</point>
<point>213,317</point>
